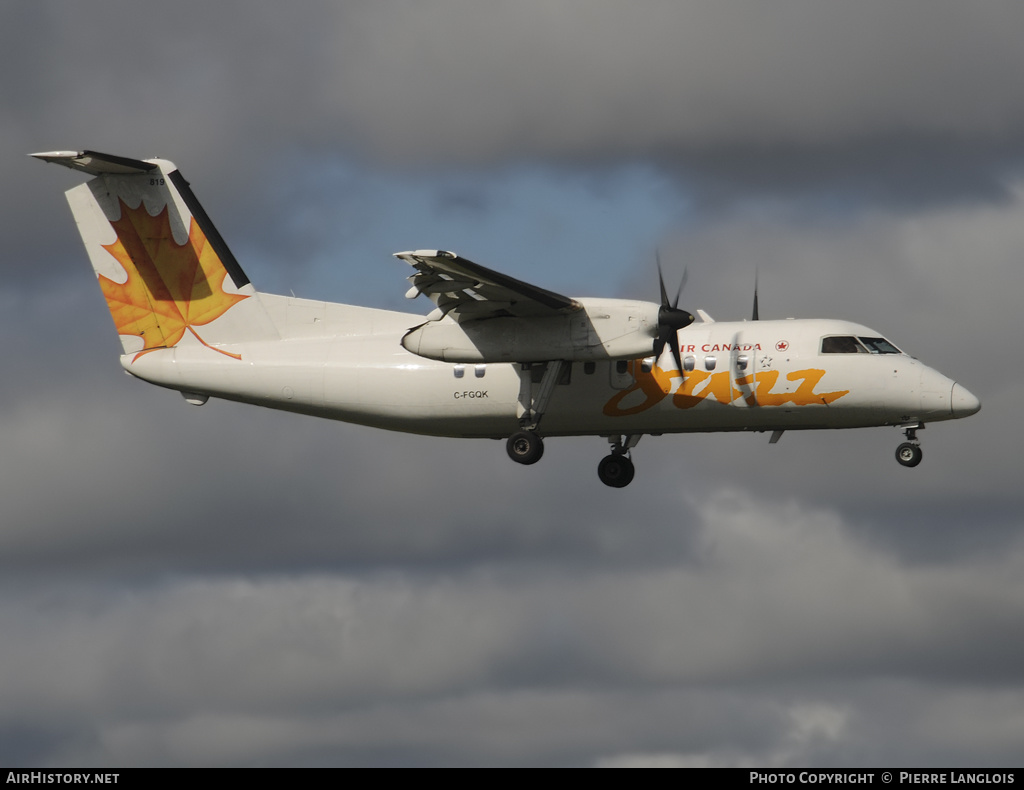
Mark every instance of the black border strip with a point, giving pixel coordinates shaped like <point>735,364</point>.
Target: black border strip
<point>120,161</point>
<point>209,229</point>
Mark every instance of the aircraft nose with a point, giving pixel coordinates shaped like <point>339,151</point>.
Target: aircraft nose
<point>962,402</point>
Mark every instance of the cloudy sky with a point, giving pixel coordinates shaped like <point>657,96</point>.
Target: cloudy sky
<point>229,586</point>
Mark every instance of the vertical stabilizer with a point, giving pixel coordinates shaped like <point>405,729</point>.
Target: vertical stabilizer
<point>166,273</point>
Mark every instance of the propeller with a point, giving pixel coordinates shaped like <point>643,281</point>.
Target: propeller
<point>755,315</point>
<point>670,318</point>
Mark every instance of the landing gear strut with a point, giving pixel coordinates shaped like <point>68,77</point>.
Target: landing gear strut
<point>526,445</point>
<point>909,453</point>
<point>617,470</point>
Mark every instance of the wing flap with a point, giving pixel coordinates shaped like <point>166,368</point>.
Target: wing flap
<point>467,291</point>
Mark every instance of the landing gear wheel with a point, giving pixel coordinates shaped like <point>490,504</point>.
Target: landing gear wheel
<point>525,447</point>
<point>909,454</point>
<point>616,470</point>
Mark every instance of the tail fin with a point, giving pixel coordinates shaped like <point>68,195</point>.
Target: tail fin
<point>163,267</point>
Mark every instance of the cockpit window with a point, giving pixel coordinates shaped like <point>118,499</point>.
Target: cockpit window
<point>879,345</point>
<point>841,344</point>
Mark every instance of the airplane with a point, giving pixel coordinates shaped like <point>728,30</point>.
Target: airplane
<point>496,358</point>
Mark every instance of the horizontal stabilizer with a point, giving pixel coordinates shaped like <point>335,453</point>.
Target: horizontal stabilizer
<point>95,163</point>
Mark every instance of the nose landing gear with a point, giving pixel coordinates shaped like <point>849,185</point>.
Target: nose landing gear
<point>909,453</point>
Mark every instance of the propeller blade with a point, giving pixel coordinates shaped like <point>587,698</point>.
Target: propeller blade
<point>756,315</point>
<point>670,318</point>
<point>661,279</point>
<point>661,283</point>
<point>674,345</point>
<point>682,285</point>
<point>667,337</point>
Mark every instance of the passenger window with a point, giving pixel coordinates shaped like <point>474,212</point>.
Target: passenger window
<point>589,367</point>
<point>460,371</point>
<point>621,374</point>
<point>741,362</point>
<point>480,371</point>
<point>709,363</point>
<point>841,345</point>
<point>689,363</point>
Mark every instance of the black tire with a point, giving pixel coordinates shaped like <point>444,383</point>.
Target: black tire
<point>909,454</point>
<point>525,447</point>
<point>616,471</point>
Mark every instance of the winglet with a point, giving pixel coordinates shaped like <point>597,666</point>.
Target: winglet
<point>95,163</point>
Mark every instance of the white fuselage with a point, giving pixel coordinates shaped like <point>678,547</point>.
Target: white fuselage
<point>497,357</point>
<point>348,363</point>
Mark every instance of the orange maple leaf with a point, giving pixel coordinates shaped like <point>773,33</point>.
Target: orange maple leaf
<point>171,287</point>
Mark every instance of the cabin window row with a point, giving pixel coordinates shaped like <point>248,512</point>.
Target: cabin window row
<point>621,366</point>
<point>478,370</point>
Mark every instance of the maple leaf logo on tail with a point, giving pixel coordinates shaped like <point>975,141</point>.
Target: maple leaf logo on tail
<point>171,288</point>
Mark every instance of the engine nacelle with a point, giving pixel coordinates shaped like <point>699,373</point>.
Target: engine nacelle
<point>603,329</point>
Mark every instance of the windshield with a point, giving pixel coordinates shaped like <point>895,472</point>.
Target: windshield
<point>841,344</point>
<point>848,344</point>
<point>879,345</point>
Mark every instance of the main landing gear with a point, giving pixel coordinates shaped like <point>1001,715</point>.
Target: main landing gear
<point>909,453</point>
<point>615,470</point>
<point>526,446</point>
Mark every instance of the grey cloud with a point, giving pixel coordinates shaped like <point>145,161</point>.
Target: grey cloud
<point>705,74</point>
<point>735,96</point>
<point>223,669</point>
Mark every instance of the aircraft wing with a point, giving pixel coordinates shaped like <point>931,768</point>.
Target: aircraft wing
<point>467,291</point>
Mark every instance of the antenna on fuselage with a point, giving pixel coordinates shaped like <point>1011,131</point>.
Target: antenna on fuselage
<point>755,316</point>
